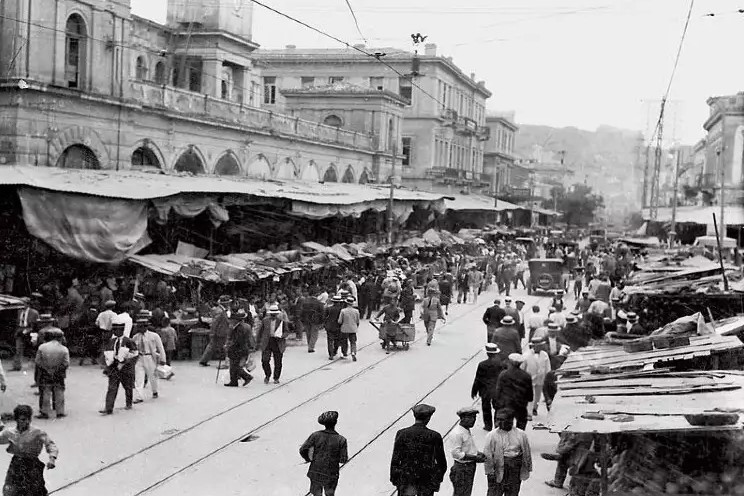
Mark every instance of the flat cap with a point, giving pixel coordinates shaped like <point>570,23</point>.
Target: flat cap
<point>350,300</point>
<point>55,332</point>
<point>467,411</point>
<point>492,348</point>
<point>516,358</point>
<point>330,417</point>
<point>423,411</point>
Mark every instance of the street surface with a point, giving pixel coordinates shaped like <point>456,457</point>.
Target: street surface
<point>200,438</point>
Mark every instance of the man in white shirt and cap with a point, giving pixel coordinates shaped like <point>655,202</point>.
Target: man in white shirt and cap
<point>465,455</point>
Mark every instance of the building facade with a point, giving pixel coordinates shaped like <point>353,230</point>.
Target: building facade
<point>443,129</point>
<point>87,84</point>
<point>499,167</point>
<point>724,146</point>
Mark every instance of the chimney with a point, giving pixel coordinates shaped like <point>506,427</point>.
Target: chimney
<point>360,46</point>
<point>290,47</point>
<point>430,49</point>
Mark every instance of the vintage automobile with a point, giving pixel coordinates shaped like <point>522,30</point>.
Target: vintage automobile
<point>547,275</point>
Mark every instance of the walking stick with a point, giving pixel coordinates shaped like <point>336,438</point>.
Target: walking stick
<point>219,364</point>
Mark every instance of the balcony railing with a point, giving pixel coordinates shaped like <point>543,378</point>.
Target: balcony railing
<point>483,133</point>
<point>187,102</point>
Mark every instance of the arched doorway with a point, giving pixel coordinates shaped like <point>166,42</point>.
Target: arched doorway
<point>189,161</point>
<point>348,175</point>
<point>259,168</point>
<point>78,157</point>
<point>364,178</point>
<point>286,170</point>
<point>330,175</point>
<point>227,165</point>
<point>75,51</point>
<point>160,75</point>
<point>144,157</point>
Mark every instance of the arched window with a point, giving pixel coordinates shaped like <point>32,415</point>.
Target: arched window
<point>140,70</point>
<point>333,120</point>
<point>227,166</point>
<point>75,49</point>
<point>78,157</point>
<point>160,76</point>
<point>226,84</point>
<point>330,175</point>
<point>189,161</point>
<point>348,175</point>
<point>144,157</point>
<point>364,178</point>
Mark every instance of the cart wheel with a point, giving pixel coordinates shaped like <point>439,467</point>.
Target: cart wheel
<point>405,346</point>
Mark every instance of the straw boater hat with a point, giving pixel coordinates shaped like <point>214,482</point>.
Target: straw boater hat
<point>508,320</point>
<point>492,348</point>
<point>571,319</point>
<point>337,298</point>
<point>632,317</point>
<point>350,300</point>
<point>224,300</point>
<point>516,358</point>
<point>274,309</point>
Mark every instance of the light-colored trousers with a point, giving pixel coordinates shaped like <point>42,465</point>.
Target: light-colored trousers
<point>145,367</point>
<point>536,394</point>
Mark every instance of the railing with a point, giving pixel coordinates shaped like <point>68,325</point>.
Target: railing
<point>188,102</point>
<point>483,133</point>
<point>449,115</point>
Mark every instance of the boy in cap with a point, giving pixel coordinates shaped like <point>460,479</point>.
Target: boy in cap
<point>120,355</point>
<point>464,453</point>
<point>326,451</point>
<point>419,462</point>
<point>514,389</point>
<point>508,456</point>
<point>484,384</point>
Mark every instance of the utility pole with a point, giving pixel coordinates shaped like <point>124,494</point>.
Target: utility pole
<point>673,229</point>
<point>722,168</point>
<point>392,197</point>
<point>657,163</point>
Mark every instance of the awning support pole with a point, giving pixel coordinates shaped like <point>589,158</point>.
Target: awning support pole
<point>603,455</point>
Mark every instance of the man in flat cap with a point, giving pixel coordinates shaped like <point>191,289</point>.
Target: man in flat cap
<point>484,384</point>
<point>514,389</point>
<point>326,451</point>
<point>464,453</point>
<point>419,463</point>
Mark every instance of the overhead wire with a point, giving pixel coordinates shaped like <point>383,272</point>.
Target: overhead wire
<point>356,21</point>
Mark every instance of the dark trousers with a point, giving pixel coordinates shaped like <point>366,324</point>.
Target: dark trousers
<point>411,490</point>
<point>364,306</point>
<point>272,350</point>
<point>125,377</point>
<point>215,346</point>
<point>462,476</point>
<point>317,488</point>
<point>511,483</point>
<point>550,387</point>
<point>488,405</point>
<point>237,370</point>
<point>520,415</point>
<point>339,342</point>
<point>92,345</point>
<point>519,278</point>
<point>407,316</point>
<point>169,355</point>
<point>561,471</point>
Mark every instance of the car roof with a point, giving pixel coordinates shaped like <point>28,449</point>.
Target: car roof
<point>546,260</point>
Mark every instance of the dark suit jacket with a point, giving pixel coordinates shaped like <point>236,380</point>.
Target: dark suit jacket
<point>220,327</point>
<point>240,341</point>
<point>493,316</point>
<point>418,458</point>
<point>486,377</point>
<point>514,389</point>
<point>129,363</point>
<point>266,331</point>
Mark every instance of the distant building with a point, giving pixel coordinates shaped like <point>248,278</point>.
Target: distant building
<point>443,130</point>
<point>86,84</point>
<point>499,159</point>
<point>724,145</point>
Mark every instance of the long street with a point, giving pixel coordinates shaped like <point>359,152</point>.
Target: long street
<point>201,438</point>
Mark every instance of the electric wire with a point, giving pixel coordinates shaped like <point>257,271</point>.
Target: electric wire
<point>356,22</point>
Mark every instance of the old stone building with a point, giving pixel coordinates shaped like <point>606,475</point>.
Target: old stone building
<point>87,84</point>
<point>500,169</point>
<point>724,146</point>
<point>443,127</point>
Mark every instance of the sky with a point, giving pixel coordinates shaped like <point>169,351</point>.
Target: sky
<point>579,63</point>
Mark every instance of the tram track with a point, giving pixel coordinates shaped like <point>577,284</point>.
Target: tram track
<point>143,451</point>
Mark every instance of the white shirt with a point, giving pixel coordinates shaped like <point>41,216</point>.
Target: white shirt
<point>558,318</point>
<point>127,320</point>
<point>461,443</point>
<point>103,321</point>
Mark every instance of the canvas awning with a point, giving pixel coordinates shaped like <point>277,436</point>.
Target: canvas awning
<point>734,214</point>
<point>8,302</point>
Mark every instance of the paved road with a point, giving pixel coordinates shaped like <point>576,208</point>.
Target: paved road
<point>200,438</point>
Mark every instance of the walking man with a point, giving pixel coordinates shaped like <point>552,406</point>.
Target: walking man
<point>152,353</point>
<point>26,322</point>
<point>240,343</point>
<point>431,311</point>
<point>333,328</point>
<point>514,390</point>
<point>507,338</point>
<point>419,462</point>
<point>218,330</point>
<point>326,451</point>
<point>537,365</point>
<point>348,319</point>
<point>25,476</point>
<point>464,453</point>
<point>484,384</point>
<point>312,320</point>
<point>52,361</point>
<point>120,355</point>
<point>272,342</point>
<point>492,318</point>
<point>508,457</point>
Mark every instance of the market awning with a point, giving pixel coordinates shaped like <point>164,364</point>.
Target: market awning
<point>8,302</point>
<point>654,402</point>
<point>733,214</point>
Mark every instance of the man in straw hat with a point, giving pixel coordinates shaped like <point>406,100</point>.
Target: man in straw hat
<point>218,330</point>
<point>484,384</point>
<point>431,311</point>
<point>348,319</point>
<point>465,454</point>
<point>333,328</point>
<point>326,451</point>
<point>514,389</point>
<point>419,462</point>
<point>272,342</point>
<point>507,337</point>
<point>239,344</point>
<point>152,354</point>
<point>120,354</point>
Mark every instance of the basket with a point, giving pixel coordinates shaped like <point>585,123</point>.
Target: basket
<point>639,346</point>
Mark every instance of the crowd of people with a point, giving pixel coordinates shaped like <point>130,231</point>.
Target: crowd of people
<point>128,328</point>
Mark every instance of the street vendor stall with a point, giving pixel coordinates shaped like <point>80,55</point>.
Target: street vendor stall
<point>10,307</point>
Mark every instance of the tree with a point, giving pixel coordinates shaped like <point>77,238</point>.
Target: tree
<point>578,204</point>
